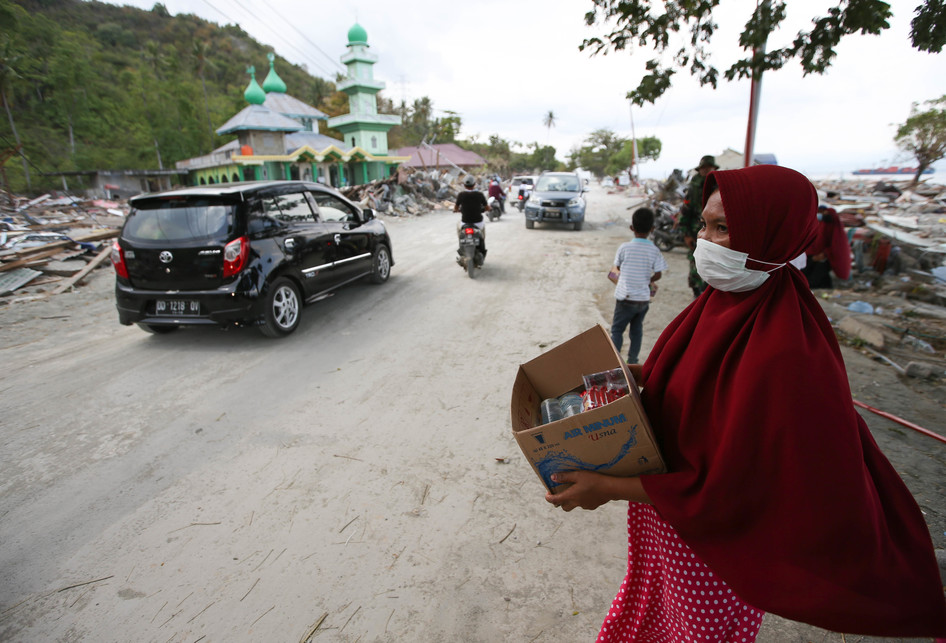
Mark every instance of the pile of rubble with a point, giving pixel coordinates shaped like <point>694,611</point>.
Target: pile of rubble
<point>52,243</point>
<point>894,305</point>
<point>410,192</point>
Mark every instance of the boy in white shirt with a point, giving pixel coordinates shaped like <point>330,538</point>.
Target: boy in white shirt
<point>637,265</point>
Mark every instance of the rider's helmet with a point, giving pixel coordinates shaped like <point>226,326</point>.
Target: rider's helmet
<point>469,181</point>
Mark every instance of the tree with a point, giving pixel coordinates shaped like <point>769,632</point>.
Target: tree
<point>600,146</point>
<point>549,121</point>
<point>924,135</point>
<point>654,23</point>
<point>648,149</point>
<point>8,74</point>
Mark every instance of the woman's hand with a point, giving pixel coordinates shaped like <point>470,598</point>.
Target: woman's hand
<point>590,490</point>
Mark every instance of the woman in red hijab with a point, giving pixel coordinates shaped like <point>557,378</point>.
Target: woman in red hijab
<point>778,499</point>
<point>830,251</point>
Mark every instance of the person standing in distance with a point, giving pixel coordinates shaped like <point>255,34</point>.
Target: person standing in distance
<point>637,265</point>
<point>690,219</point>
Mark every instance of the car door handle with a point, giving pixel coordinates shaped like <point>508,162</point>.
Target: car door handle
<point>338,239</point>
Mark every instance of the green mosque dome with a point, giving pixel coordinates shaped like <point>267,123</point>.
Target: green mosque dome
<point>357,35</point>
<point>254,94</point>
<point>273,82</point>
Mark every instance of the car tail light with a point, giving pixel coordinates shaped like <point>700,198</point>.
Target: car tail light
<point>234,256</point>
<point>118,260</point>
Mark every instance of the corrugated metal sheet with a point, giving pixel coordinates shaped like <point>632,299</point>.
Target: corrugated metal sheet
<point>257,117</point>
<point>290,106</point>
<point>448,153</point>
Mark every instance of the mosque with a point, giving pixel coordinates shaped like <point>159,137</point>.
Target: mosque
<point>278,136</point>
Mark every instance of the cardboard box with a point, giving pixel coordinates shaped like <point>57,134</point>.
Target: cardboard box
<point>615,439</point>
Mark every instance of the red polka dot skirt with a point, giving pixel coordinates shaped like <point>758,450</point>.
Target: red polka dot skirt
<point>669,595</point>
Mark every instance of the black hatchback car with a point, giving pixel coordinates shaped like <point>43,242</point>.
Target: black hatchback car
<point>242,254</point>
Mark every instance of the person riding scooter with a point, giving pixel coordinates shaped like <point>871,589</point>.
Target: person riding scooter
<point>471,204</point>
<point>496,190</point>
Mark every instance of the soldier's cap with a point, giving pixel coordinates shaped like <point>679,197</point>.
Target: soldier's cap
<point>708,161</point>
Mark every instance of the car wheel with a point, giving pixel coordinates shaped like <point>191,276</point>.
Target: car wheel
<point>578,225</point>
<point>158,330</point>
<point>283,307</point>
<point>381,265</point>
<point>530,224</point>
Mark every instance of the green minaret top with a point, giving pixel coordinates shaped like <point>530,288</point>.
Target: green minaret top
<point>254,94</point>
<point>273,82</point>
<point>357,35</point>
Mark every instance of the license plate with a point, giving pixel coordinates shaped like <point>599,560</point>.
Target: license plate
<point>553,213</point>
<point>467,241</point>
<point>176,307</point>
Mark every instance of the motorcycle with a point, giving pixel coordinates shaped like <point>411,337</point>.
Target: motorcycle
<point>495,208</point>
<point>667,235</point>
<point>521,199</point>
<point>470,254</point>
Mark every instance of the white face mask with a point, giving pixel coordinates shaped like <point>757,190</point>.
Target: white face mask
<point>725,269</point>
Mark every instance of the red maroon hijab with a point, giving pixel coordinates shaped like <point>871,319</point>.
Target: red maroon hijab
<point>776,482</point>
<point>832,241</point>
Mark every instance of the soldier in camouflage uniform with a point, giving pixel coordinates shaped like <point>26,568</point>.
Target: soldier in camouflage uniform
<point>690,218</point>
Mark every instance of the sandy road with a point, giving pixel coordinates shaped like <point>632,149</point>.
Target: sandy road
<point>222,486</point>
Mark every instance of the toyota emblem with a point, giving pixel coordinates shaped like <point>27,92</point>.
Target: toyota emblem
<point>165,256</point>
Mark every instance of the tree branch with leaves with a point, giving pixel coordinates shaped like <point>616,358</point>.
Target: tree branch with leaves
<point>685,28</point>
<point>924,135</point>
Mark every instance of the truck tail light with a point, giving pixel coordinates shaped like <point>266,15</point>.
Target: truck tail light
<point>234,256</point>
<point>118,260</point>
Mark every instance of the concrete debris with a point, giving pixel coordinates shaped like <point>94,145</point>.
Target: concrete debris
<point>51,241</point>
<point>920,370</point>
<point>411,192</point>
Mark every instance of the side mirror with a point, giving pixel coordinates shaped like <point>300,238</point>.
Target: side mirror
<point>367,214</point>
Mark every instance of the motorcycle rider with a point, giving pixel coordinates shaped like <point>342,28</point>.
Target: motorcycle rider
<point>496,190</point>
<point>471,204</point>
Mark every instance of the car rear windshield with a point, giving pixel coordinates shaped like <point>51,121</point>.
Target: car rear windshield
<point>557,184</point>
<point>184,221</point>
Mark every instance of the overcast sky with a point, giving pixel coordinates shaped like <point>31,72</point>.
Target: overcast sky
<point>503,65</point>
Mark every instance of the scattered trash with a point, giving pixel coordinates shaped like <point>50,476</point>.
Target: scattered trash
<point>861,307</point>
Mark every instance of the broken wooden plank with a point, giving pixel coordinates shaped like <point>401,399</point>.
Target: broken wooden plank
<point>99,258</point>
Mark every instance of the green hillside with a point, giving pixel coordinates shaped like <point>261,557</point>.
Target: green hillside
<point>88,85</point>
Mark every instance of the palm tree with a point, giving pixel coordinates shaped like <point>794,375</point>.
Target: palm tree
<point>549,121</point>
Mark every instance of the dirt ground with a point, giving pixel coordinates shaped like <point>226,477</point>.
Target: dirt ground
<point>358,480</point>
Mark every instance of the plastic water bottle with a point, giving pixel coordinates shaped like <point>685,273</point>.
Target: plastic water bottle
<point>570,403</point>
<point>551,410</point>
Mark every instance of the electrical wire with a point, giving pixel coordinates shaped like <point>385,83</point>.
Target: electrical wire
<point>308,60</point>
<point>333,61</point>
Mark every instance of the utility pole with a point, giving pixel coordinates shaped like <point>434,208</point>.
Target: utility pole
<point>755,96</point>
<point>634,168</point>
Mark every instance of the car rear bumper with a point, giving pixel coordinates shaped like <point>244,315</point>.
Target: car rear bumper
<point>223,307</point>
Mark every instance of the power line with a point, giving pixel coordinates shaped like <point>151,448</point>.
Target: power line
<point>306,38</point>
<point>329,74</point>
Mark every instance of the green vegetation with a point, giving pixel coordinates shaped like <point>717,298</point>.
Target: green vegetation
<point>606,153</point>
<point>924,135</point>
<point>86,86</point>
<point>689,25</point>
